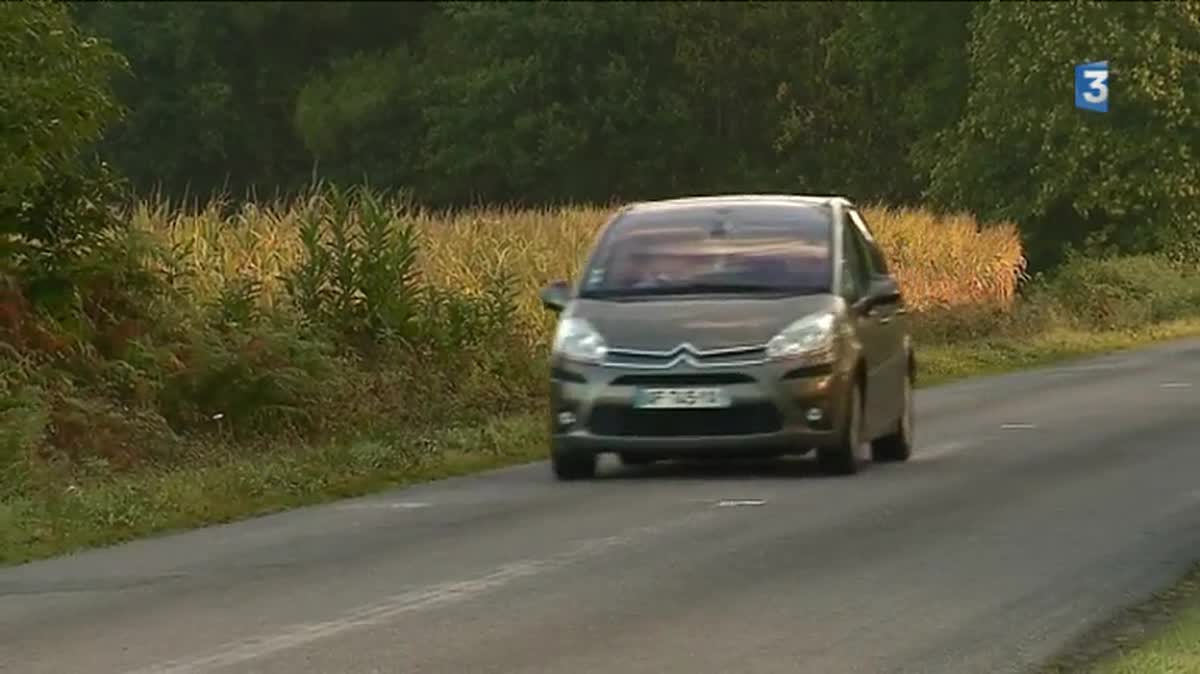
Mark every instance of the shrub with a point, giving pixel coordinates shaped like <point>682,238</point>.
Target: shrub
<point>1123,292</point>
<point>263,378</point>
<point>357,274</point>
<point>55,101</point>
<point>23,418</point>
<point>57,229</point>
<point>149,355</point>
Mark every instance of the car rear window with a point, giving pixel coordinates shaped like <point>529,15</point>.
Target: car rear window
<point>749,248</point>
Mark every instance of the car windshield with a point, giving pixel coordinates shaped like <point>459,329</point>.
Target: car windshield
<point>748,250</point>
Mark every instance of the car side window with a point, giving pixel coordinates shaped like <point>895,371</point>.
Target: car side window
<point>874,254</point>
<point>855,273</point>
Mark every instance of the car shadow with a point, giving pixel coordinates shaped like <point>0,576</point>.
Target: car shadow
<point>713,469</point>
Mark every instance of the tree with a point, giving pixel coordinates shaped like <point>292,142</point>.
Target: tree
<point>1127,178</point>
<point>896,76</point>
<point>754,77</point>
<point>539,102</point>
<point>55,100</point>
<point>361,119</point>
<point>56,198</point>
<point>214,85</point>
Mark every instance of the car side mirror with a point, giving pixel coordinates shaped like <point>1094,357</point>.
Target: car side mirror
<point>555,296</point>
<point>883,290</point>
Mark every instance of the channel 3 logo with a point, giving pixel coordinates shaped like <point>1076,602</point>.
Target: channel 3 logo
<point>1091,86</point>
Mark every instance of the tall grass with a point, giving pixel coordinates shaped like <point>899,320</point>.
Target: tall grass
<point>941,260</point>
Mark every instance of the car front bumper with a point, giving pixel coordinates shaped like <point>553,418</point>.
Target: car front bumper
<point>772,412</point>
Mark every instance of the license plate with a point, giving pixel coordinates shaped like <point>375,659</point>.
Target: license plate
<point>681,398</point>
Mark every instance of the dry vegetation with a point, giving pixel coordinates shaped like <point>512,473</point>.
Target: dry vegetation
<point>941,261</point>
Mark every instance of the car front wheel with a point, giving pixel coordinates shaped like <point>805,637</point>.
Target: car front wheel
<point>572,465</point>
<point>843,458</point>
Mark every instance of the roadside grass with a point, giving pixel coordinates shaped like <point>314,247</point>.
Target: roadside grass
<point>223,485</point>
<point>1175,651</point>
<point>947,362</point>
<point>1160,635</point>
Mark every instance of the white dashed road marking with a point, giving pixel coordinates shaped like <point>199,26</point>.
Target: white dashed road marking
<point>412,601</point>
<point>1017,427</point>
<point>403,505</point>
<point>733,503</point>
<point>939,450</point>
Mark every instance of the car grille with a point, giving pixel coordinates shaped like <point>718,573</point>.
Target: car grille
<point>619,420</point>
<point>698,379</point>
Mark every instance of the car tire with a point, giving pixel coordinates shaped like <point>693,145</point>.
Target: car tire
<point>897,446</point>
<point>843,458</point>
<point>572,465</point>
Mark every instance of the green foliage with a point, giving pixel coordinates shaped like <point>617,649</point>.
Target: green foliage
<point>358,279</point>
<point>897,77</point>
<point>56,230</point>
<point>1124,292</point>
<point>528,102</point>
<point>358,275</point>
<point>360,118</point>
<point>214,85</point>
<point>23,418</point>
<point>1090,293</point>
<point>259,379</point>
<point>1022,152</point>
<point>57,219</point>
<point>452,321</point>
<point>54,97</point>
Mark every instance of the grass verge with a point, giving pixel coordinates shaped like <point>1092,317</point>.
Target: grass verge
<point>943,363</point>
<point>1158,636</point>
<point>1175,651</point>
<point>222,487</point>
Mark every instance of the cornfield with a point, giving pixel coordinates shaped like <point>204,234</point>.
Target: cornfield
<point>940,260</point>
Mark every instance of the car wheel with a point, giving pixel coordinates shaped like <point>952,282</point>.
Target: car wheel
<point>843,458</point>
<point>897,445</point>
<point>572,465</point>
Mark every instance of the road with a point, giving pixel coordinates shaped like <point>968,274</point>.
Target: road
<point>1037,503</point>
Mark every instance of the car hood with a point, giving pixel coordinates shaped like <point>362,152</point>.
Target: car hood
<point>706,323</point>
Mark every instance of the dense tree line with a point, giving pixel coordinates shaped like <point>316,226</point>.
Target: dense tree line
<point>961,105</point>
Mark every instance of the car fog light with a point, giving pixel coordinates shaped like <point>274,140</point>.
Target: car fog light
<point>566,418</point>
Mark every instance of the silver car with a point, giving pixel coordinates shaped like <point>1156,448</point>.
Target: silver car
<point>731,326</point>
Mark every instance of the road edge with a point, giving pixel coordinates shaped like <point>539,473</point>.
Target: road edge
<point>1132,626</point>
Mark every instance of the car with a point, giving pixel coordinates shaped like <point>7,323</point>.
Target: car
<point>728,326</point>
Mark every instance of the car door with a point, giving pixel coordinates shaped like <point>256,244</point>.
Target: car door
<point>855,281</point>
<point>888,319</point>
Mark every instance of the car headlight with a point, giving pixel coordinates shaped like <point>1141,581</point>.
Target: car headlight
<point>809,337</point>
<point>577,340</point>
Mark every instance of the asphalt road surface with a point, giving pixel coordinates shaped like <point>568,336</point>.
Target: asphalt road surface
<point>1036,504</point>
